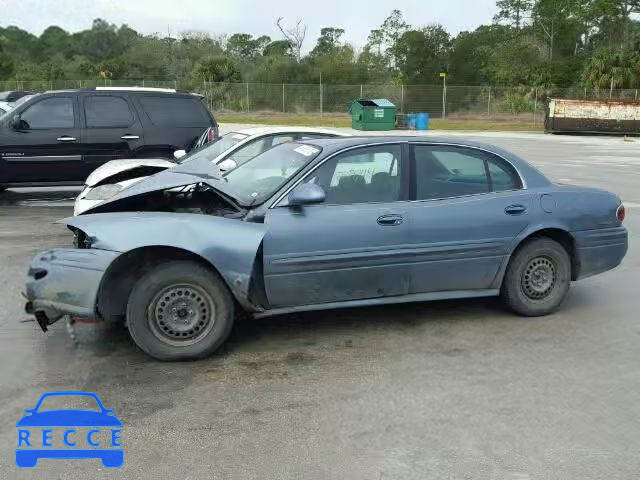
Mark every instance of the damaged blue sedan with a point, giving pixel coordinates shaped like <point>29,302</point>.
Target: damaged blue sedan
<point>323,224</point>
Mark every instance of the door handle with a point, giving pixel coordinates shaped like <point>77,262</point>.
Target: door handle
<point>130,137</point>
<point>515,210</point>
<point>66,138</point>
<point>390,219</point>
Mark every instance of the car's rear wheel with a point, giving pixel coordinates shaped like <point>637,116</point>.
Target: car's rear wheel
<point>180,310</point>
<point>537,278</point>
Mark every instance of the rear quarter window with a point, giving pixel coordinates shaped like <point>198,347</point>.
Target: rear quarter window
<point>167,111</point>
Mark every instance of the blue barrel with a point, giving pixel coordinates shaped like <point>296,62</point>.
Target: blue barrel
<point>411,121</point>
<point>422,121</point>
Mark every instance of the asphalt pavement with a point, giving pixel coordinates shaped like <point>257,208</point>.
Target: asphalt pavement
<point>445,390</point>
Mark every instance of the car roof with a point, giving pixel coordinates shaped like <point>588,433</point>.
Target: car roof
<point>349,141</point>
<point>127,90</point>
<point>285,129</point>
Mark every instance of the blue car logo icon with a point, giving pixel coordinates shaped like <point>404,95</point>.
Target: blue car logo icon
<point>35,433</point>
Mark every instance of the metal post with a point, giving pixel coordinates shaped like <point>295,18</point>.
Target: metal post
<point>283,98</point>
<point>321,113</point>
<point>402,97</point>
<point>247,84</point>
<point>636,94</point>
<point>360,90</point>
<point>535,106</point>
<point>444,97</point>
<point>489,103</point>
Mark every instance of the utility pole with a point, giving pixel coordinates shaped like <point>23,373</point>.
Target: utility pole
<point>443,76</point>
<point>247,85</point>
<point>321,112</point>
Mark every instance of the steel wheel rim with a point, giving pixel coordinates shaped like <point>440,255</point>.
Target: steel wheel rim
<point>539,278</point>
<point>181,314</point>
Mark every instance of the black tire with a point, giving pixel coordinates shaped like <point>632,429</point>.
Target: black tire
<point>180,310</point>
<point>537,278</point>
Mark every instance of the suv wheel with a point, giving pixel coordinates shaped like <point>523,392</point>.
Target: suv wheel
<point>180,311</point>
<point>537,278</point>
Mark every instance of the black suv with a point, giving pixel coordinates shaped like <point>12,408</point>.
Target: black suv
<point>59,138</point>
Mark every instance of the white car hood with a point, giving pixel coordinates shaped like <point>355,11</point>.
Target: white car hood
<point>117,166</point>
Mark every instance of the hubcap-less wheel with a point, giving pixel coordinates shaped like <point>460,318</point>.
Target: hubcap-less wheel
<point>539,278</point>
<point>181,314</point>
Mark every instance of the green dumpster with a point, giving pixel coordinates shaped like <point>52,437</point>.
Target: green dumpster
<point>373,114</point>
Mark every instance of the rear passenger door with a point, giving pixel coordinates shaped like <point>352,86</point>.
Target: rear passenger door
<point>468,207</point>
<point>112,130</point>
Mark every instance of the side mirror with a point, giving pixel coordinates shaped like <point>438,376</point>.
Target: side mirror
<point>15,122</point>
<point>306,194</point>
<point>227,165</point>
<point>178,154</point>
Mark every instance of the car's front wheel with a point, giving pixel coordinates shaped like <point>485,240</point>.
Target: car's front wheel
<point>537,278</point>
<point>180,310</point>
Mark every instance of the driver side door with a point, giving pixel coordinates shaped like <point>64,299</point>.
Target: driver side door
<point>349,247</point>
<point>45,147</point>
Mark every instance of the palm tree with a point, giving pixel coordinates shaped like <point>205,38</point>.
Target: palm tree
<point>611,68</point>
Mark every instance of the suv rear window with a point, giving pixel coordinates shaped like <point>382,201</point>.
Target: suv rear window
<point>169,111</point>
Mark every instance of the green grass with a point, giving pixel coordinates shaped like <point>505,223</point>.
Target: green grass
<point>334,120</point>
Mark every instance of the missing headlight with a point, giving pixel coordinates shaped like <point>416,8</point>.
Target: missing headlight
<point>80,239</point>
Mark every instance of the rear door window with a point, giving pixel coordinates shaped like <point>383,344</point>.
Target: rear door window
<point>107,111</point>
<point>503,176</point>
<point>444,171</point>
<point>168,111</point>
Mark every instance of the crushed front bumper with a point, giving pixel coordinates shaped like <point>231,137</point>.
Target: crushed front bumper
<point>65,282</point>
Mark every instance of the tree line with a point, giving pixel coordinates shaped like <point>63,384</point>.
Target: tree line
<point>546,43</point>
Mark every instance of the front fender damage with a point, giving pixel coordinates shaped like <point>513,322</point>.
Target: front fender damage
<point>229,245</point>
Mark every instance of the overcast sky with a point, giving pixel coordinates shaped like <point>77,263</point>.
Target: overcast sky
<point>216,17</point>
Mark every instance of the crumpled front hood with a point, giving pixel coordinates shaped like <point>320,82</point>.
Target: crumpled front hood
<point>118,166</point>
<point>182,175</point>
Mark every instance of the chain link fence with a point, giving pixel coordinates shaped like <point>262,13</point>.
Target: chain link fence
<point>463,102</point>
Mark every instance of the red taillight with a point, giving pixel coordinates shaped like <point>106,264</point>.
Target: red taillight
<point>211,135</point>
<point>620,213</point>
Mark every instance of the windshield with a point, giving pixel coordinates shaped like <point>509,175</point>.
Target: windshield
<point>255,181</point>
<point>212,150</point>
